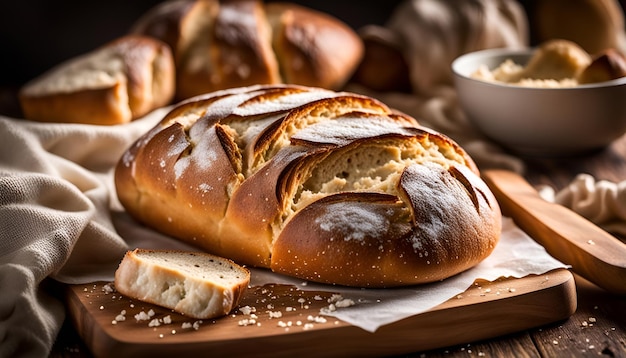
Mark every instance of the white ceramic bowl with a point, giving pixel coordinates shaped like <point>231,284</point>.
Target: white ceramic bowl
<point>540,121</point>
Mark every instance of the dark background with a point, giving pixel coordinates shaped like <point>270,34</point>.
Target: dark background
<point>38,34</point>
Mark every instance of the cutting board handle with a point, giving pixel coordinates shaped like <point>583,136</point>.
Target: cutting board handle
<point>567,236</point>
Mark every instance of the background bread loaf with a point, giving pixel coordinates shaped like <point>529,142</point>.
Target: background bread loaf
<point>326,186</point>
<point>605,66</point>
<point>116,83</point>
<point>593,25</point>
<point>225,44</point>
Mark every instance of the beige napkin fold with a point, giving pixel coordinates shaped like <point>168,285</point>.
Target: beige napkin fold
<point>602,202</point>
<point>432,33</point>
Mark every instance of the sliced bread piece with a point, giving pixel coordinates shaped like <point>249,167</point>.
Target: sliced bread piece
<point>195,284</point>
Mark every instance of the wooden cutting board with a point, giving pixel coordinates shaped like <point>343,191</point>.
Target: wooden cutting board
<point>591,252</point>
<point>485,310</point>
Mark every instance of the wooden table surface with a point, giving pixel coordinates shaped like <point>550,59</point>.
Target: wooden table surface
<point>597,328</point>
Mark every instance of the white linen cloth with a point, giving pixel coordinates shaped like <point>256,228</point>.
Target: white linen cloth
<point>55,220</point>
<point>600,201</point>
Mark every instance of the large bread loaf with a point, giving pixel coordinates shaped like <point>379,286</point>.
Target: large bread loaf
<point>225,44</point>
<point>326,186</point>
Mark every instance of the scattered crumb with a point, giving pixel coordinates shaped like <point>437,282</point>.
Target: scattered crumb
<point>108,288</point>
<point>336,301</point>
<point>154,323</point>
<point>247,322</point>
<point>317,319</point>
<point>142,316</point>
<point>121,317</point>
<point>246,310</point>
<point>344,303</point>
<point>301,302</point>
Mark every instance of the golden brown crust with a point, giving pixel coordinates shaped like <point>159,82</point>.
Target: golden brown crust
<point>593,25</point>
<point>605,66</point>
<point>313,48</point>
<point>220,45</point>
<point>216,49</point>
<point>556,59</point>
<point>383,67</point>
<point>163,22</point>
<point>362,237</point>
<point>309,182</point>
<point>95,106</point>
<point>121,81</point>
